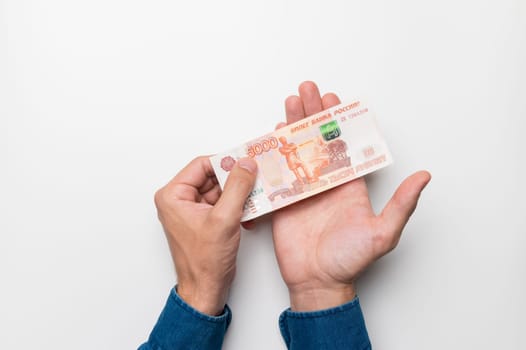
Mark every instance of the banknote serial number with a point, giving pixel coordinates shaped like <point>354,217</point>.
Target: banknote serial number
<point>263,146</point>
<point>354,115</point>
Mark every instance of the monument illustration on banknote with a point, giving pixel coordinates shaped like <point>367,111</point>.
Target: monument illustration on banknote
<point>310,156</point>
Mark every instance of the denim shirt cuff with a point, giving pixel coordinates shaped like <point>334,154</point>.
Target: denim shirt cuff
<point>182,326</point>
<point>341,327</point>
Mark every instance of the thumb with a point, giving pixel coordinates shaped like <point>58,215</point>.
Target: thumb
<point>403,203</point>
<point>238,185</point>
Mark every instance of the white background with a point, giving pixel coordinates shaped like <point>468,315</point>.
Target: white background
<point>103,101</point>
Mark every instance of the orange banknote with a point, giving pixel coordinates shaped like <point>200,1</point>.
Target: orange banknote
<point>310,156</point>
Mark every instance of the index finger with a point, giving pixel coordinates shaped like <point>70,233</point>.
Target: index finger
<point>196,174</point>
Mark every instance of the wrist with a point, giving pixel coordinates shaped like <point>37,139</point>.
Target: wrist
<point>319,298</point>
<point>209,301</point>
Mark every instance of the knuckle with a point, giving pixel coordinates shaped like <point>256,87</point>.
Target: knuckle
<point>380,241</point>
<point>198,159</point>
<point>383,240</point>
<point>397,202</point>
<point>386,242</point>
<point>161,198</point>
<point>157,197</point>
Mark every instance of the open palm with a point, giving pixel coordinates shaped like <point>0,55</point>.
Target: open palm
<point>323,243</point>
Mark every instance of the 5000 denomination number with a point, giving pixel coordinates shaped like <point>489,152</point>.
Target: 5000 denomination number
<point>263,146</point>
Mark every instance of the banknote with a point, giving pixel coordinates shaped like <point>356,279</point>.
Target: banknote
<point>309,156</point>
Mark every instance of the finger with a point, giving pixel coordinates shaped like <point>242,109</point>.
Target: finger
<point>400,207</point>
<point>212,195</point>
<point>310,95</point>
<point>210,183</point>
<point>249,225</point>
<point>196,174</point>
<point>329,100</point>
<point>191,182</point>
<point>280,125</point>
<point>294,109</point>
<point>229,207</point>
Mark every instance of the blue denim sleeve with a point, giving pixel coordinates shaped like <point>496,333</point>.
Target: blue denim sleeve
<point>182,327</point>
<point>341,327</point>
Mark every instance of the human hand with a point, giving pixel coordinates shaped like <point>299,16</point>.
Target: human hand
<point>202,227</point>
<point>323,243</point>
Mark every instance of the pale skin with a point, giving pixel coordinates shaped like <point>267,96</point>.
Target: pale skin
<point>202,227</point>
<point>322,244</point>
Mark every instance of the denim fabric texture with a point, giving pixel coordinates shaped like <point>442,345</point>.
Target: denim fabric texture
<point>182,327</point>
<point>341,327</point>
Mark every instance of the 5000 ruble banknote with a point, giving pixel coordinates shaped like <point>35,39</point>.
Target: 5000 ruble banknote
<point>310,156</point>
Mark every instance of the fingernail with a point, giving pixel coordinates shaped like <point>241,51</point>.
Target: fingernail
<point>248,164</point>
